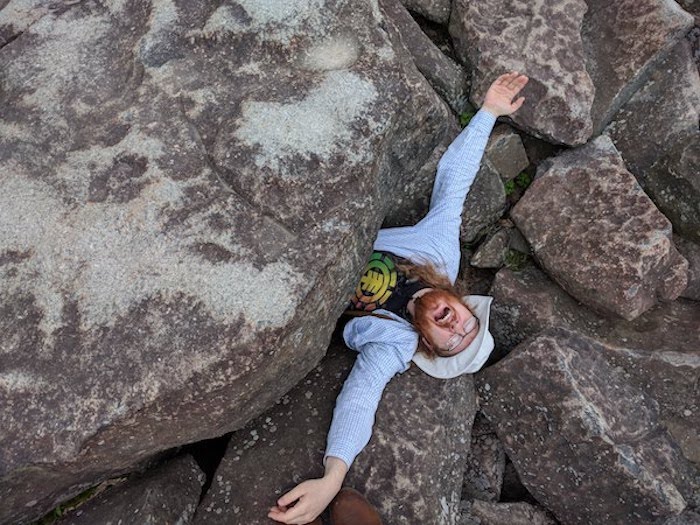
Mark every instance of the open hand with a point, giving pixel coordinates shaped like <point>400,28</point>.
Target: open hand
<point>311,496</point>
<point>499,97</point>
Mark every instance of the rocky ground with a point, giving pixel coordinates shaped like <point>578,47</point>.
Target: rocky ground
<point>189,188</point>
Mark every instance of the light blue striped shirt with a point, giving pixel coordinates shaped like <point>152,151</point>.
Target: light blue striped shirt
<point>385,347</point>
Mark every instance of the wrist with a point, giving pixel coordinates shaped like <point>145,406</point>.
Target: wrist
<point>335,471</point>
<point>491,110</point>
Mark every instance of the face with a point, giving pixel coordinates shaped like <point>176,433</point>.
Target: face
<point>446,324</point>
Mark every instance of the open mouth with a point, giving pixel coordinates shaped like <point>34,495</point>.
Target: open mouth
<point>444,316</point>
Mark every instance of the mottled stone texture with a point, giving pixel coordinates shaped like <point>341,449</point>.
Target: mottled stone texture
<point>623,41</point>
<point>506,153</point>
<point>597,233</point>
<point>492,251</point>
<point>166,495</point>
<point>446,76</point>
<point>188,190</point>
<point>658,350</point>
<point>691,252</point>
<point>674,185</point>
<point>587,444</point>
<point>541,39</point>
<point>664,111</point>
<point>520,513</point>
<point>435,10</point>
<point>400,471</point>
<point>693,7</point>
<point>485,466</point>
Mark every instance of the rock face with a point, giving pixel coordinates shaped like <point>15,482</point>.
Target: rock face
<point>574,409</point>
<point>642,136</point>
<point>542,40</point>
<point>658,351</point>
<point>489,513</point>
<point>181,223</point>
<point>446,76</point>
<point>168,494</point>
<point>623,41</point>
<point>399,471</point>
<point>598,235</point>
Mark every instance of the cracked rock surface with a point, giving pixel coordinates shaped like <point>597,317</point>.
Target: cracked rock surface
<point>587,444</point>
<point>598,234</point>
<point>186,184</point>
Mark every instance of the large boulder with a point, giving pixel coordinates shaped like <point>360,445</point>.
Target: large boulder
<point>540,39</point>
<point>587,444</point>
<point>411,469</point>
<point>624,41</point>
<point>598,234</point>
<point>189,189</point>
<point>658,351</point>
<point>585,59</point>
<point>167,494</point>
<point>642,136</point>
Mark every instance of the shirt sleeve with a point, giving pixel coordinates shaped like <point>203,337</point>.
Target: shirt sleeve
<point>435,238</point>
<point>384,349</point>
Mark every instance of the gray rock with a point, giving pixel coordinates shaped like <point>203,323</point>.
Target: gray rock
<point>410,205</point>
<point>169,205</point>
<point>485,204</point>
<point>492,252</point>
<point>673,183</point>
<point>691,252</point>
<point>485,466</point>
<point>542,40</point>
<point>399,471</point>
<point>574,410</point>
<point>506,153</point>
<point>446,76</point>
<point>624,41</point>
<point>435,10</point>
<point>520,513</point>
<point>658,350</point>
<point>664,111</point>
<point>167,494</point>
<point>597,233</point>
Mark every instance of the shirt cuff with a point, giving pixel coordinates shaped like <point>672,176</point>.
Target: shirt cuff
<point>345,456</point>
<point>484,120</point>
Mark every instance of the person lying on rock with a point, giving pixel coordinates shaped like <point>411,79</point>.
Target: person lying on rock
<point>407,309</point>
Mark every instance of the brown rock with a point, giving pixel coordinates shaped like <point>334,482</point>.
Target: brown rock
<point>587,444</point>
<point>167,494</point>
<point>399,471</point>
<point>673,91</point>
<point>170,205</point>
<point>658,351</point>
<point>542,40</point>
<point>597,233</point>
<point>624,41</point>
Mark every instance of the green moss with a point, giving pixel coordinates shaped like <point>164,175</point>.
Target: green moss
<point>67,506</point>
<point>465,117</point>
<point>515,260</point>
